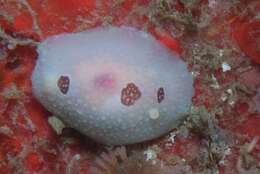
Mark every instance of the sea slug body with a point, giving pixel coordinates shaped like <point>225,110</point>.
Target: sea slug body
<point>117,85</point>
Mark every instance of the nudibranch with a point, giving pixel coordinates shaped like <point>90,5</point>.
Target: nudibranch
<point>117,85</point>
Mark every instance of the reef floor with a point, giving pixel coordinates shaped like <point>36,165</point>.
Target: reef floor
<point>218,39</point>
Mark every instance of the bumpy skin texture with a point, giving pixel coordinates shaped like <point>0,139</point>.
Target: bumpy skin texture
<point>115,85</point>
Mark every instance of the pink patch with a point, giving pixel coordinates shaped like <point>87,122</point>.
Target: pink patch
<point>105,81</point>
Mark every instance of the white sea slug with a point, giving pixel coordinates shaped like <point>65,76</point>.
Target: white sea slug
<point>115,85</point>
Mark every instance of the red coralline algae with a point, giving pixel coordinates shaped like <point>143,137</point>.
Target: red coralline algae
<point>247,35</point>
<point>33,162</point>
<point>249,127</point>
<point>246,31</point>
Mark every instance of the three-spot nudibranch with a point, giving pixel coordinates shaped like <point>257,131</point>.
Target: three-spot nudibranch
<point>115,85</point>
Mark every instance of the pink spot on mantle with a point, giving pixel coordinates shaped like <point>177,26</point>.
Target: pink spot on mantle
<point>105,81</point>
